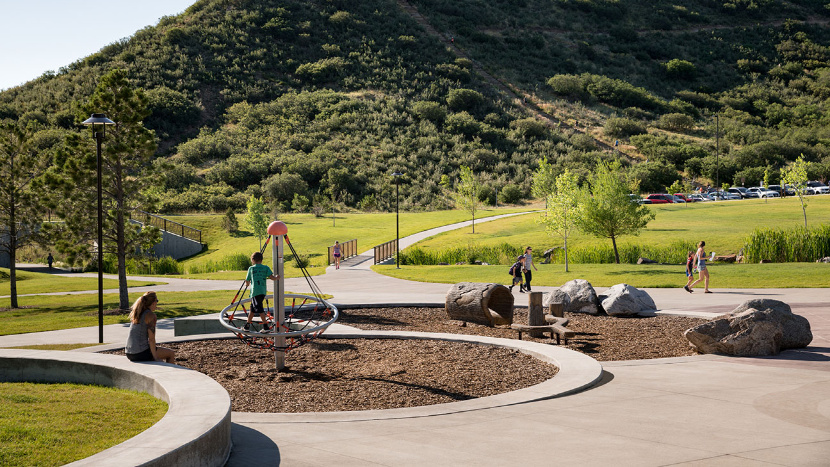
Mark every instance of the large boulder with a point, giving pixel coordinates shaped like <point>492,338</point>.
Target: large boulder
<point>626,300</point>
<point>755,328</point>
<point>556,297</point>
<point>583,297</point>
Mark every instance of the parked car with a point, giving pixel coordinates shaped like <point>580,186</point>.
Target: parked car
<point>818,187</point>
<point>780,190</point>
<point>659,198</point>
<point>742,192</point>
<point>701,197</point>
<point>808,190</point>
<point>686,199</point>
<point>725,196</point>
<point>638,200</point>
<point>763,192</point>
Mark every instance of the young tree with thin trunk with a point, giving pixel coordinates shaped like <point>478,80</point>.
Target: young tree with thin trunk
<point>563,208</point>
<point>256,220</point>
<point>608,211</point>
<point>544,180</point>
<point>466,192</point>
<point>21,163</point>
<point>796,176</point>
<point>127,152</point>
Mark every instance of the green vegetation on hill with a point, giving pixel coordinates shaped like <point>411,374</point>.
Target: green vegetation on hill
<point>312,103</point>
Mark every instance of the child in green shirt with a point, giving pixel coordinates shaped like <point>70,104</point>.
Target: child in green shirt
<point>258,275</point>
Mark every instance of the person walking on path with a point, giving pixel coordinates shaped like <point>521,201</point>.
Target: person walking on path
<point>690,270</point>
<point>258,275</point>
<point>516,272</point>
<point>141,341</point>
<point>700,262</point>
<point>49,260</point>
<point>335,251</point>
<point>528,263</point>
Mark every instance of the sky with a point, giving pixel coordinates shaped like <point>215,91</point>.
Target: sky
<point>41,35</point>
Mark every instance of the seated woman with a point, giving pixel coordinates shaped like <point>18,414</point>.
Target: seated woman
<point>141,342</point>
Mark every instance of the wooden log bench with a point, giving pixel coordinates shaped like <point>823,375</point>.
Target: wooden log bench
<point>557,330</point>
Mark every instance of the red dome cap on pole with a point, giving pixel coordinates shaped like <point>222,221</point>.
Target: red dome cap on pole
<point>277,228</point>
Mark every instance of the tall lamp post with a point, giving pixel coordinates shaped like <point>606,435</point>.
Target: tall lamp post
<point>717,151</point>
<point>397,176</point>
<point>98,123</point>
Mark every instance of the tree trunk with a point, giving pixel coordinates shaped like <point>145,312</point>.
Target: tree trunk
<point>616,253</point>
<point>121,254</point>
<point>487,304</point>
<point>566,254</point>
<point>535,314</point>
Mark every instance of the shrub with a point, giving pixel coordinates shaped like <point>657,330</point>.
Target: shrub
<point>229,223</point>
<point>464,99</point>
<point>428,110</point>
<point>167,265</point>
<point>529,128</point>
<point>676,122</point>
<point>623,127</point>
<point>795,245</point>
<point>510,194</point>
<point>681,69</point>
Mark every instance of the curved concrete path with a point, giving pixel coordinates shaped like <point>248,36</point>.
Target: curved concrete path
<point>701,410</point>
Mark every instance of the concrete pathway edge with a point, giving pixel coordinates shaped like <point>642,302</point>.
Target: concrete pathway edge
<point>195,431</point>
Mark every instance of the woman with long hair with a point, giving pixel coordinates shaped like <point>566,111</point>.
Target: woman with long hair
<point>141,342</point>
<point>700,262</point>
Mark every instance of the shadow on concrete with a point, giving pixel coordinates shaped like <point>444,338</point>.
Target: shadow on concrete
<point>250,447</point>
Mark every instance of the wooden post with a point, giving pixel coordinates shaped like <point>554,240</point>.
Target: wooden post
<point>535,315</point>
<point>557,309</point>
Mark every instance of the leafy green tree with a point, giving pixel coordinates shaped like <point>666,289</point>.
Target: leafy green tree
<point>561,216</point>
<point>256,220</point>
<point>544,180</point>
<point>608,211</point>
<point>466,192</point>
<point>20,164</point>
<point>126,178</point>
<point>796,176</point>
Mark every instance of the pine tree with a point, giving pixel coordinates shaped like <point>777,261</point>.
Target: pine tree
<point>128,149</point>
<point>20,166</point>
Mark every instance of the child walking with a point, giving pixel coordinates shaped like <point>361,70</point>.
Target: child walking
<point>516,272</point>
<point>258,275</point>
<point>690,270</point>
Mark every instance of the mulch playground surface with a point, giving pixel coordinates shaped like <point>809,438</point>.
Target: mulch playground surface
<point>362,374</point>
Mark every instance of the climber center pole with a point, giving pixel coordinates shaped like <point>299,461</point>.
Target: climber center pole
<point>279,230</point>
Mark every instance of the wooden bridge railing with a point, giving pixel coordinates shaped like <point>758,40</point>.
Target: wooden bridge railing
<point>165,224</point>
<point>385,251</point>
<point>347,250</point>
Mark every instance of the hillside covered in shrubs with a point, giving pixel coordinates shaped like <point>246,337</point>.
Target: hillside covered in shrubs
<point>306,103</point>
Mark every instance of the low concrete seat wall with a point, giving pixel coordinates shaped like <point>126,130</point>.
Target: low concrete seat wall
<point>195,431</point>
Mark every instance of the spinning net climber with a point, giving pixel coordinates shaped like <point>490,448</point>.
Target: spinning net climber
<point>303,319</point>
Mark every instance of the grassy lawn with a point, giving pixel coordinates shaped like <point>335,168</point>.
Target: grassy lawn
<point>723,225</point>
<point>311,236</point>
<point>771,275</point>
<point>54,312</point>
<point>38,282</point>
<point>55,424</point>
<point>51,312</point>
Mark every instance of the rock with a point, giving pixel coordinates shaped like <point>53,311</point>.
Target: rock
<point>583,297</point>
<point>726,258</point>
<point>765,261</point>
<point>626,300</point>
<point>826,259</point>
<point>645,261</point>
<point>755,328</point>
<point>558,297</point>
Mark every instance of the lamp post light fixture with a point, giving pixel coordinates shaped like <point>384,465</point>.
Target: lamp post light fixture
<point>98,123</point>
<point>397,176</point>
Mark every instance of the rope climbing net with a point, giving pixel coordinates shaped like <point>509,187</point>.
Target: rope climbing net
<point>306,316</point>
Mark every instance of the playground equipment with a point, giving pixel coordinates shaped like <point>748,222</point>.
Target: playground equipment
<point>304,319</point>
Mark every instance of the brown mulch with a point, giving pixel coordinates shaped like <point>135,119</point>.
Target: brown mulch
<point>362,374</point>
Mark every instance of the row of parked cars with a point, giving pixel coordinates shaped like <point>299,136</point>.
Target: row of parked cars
<point>772,191</point>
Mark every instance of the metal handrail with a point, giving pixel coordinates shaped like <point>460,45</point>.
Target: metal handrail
<point>385,251</point>
<point>167,225</point>
<point>347,250</point>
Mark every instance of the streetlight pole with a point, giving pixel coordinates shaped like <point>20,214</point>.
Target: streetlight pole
<point>397,176</point>
<point>98,123</point>
<point>717,151</point>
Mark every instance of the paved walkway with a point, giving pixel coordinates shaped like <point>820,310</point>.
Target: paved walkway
<point>701,410</point>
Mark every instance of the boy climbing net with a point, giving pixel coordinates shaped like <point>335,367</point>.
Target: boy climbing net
<point>258,275</point>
